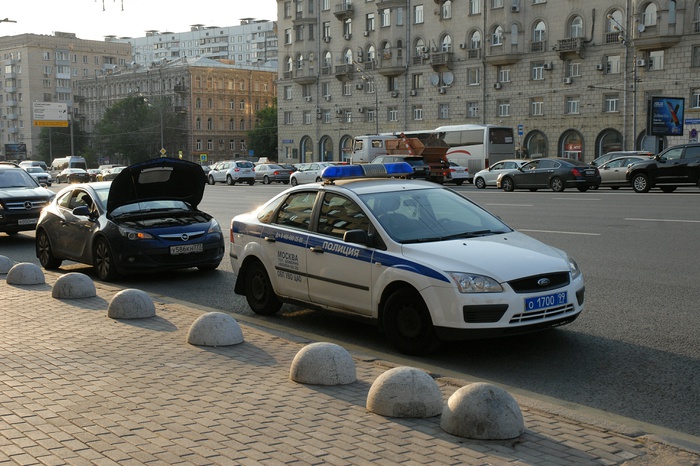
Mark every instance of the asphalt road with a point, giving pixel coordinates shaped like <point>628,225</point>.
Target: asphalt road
<point>634,352</point>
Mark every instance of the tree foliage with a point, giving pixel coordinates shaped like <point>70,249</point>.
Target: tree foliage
<point>56,142</point>
<point>263,139</point>
<point>130,130</point>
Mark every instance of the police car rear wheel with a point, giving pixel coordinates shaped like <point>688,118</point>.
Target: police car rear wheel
<point>259,292</point>
<point>407,323</point>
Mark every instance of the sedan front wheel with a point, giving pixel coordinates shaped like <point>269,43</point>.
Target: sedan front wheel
<point>103,261</point>
<point>640,183</point>
<point>45,253</point>
<point>507,184</point>
<point>557,184</point>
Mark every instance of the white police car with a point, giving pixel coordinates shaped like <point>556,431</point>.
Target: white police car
<point>425,262</point>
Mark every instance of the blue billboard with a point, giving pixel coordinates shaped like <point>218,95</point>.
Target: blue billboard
<point>666,116</point>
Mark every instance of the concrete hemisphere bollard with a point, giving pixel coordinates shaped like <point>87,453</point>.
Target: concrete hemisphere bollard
<point>5,264</point>
<point>323,364</point>
<point>405,392</point>
<point>215,329</point>
<point>131,304</point>
<point>25,273</point>
<point>482,411</point>
<point>73,285</point>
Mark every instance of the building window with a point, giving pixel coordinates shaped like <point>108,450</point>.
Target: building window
<point>650,15</point>
<point>347,88</point>
<point>656,60</point>
<point>307,117</point>
<point>696,55</point>
<point>497,36</point>
<point>369,22</point>
<point>474,7</point>
<point>503,108</point>
<point>574,69</point>
<point>418,14</point>
<point>496,3</point>
<point>210,144</point>
<point>536,106</point>
<point>504,75</point>
<point>576,27</point>
<point>572,106</point>
<point>371,115</point>
<point>446,10</point>
<point>611,103</point>
<point>198,145</point>
<point>538,71</point>
<point>695,98</point>
<point>418,112</point>
<point>472,110</point>
<point>287,118</point>
<point>612,64</point>
<point>473,77</point>
<point>385,17</point>
<point>443,111</point>
<point>393,114</point>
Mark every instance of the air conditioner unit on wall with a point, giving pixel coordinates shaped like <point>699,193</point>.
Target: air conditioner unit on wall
<point>347,36</point>
<point>567,80</point>
<point>641,62</point>
<point>308,98</point>
<point>497,85</point>
<point>462,46</point>
<point>413,92</point>
<point>338,111</point>
<point>394,94</point>
<point>328,98</point>
<point>441,90</point>
<point>366,33</point>
<point>599,67</point>
<point>327,39</point>
<point>548,66</point>
<point>360,110</point>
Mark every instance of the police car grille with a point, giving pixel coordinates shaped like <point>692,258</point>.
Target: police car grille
<point>533,284</point>
<point>541,314</point>
<point>483,313</point>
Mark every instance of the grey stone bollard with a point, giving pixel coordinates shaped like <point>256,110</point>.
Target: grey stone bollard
<point>131,304</point>
<point>73,285</point>
<point>215,329</point>
<point>482,411</point>
<point>323,364</point>
<point>25,273</point>
<point>5,264</point>
<point>405,392</point>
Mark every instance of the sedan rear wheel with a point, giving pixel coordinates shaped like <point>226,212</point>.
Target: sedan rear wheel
<point>294,181</point>
<point>211,180</point>
<point>407,323</point>
<point>266,179</point>
<point>103,261</point>
<point>259,293</point>
<point>507,184</point>
<point>557,184</point>
<point>480,183</point>
<point>640,183</point>
<point>229,180</point>
<point>45,253</point>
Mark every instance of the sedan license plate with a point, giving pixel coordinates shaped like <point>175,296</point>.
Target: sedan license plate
<point>186,249</point>
<point>541,302</point>
<point>27,221</point>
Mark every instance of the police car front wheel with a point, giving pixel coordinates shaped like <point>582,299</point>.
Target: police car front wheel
<point>407,324</point>
<point>259,293</point>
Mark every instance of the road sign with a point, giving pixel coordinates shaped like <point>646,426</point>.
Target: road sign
<point>50,114</point>
<point>203,157</point>
<point>162,152</point>
<point>520,130</point>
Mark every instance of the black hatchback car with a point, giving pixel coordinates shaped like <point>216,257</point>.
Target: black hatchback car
<point>555,173</point>
<point>676,166</point>
<point>146,220</point>
<point>21,199</point>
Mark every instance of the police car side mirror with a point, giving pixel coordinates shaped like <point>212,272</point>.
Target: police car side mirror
<point>356,236</point>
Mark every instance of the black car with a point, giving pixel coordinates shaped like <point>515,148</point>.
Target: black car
<point>420,168</point>
<point>555,173</point>
<point>676,166</point>
<point>21,199</point>
<point>145,220</point>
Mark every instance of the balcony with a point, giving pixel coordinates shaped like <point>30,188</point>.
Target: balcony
<point>539,46</point>
<point>11,103</point>
<point>571,46</point>
<point>441,61</point>
<point>382,4</point>
<point>304,76</point>
<point>344,72</point>
<point>180,88</point>
<point>78,98</point>
<point>10,89</point>
<point>473,54</point>
<point>13,130</point>
<point>344,11</point>
<point>390,65</point>
<point>652,39</point>
<point>11,116</point>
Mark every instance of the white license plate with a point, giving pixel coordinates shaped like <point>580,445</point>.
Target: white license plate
<point>27,221</point>
<point>186,249</point>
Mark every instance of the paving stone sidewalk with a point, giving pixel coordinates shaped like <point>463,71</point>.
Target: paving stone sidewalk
<point>77,387</point>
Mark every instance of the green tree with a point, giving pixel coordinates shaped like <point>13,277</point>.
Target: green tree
<point>131,130</point>
<point>56,142</point>
<point>263,138</point>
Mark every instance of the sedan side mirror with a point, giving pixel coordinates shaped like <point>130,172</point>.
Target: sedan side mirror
<point>356,236</point>
<point>83,211</point>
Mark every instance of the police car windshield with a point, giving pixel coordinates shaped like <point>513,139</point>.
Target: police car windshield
<point>428,215</point>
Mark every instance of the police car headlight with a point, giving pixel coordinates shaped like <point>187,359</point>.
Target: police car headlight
<point>473,283</point>
<point>214,227</point>
<point>133,234</point>
<point>573,268</point>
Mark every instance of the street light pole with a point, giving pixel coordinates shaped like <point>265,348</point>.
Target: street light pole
<point>628,42</point>
<point>367,76</point>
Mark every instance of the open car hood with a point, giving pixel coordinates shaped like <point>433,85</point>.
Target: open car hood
<point>158,179</point>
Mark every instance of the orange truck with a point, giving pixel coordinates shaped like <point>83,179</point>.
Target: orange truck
<point>433,151</point>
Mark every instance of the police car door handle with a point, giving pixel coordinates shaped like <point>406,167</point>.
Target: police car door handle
<point>316,249</point>
<point>270,239</point>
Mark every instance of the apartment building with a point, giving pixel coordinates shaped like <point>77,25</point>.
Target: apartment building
<point>45,68</point>
<point>218,100</point>
<point>573,78</point>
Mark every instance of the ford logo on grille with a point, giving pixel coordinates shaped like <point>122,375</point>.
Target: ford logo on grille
<point>185,237</point>
<point>543,281</point>
<point>28,205</point>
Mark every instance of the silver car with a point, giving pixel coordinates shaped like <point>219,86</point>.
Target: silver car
<point>232,172</point>
<point>269,172</point>
<point>308,172</point>
<point>488,176</point>
<point>612,172</point>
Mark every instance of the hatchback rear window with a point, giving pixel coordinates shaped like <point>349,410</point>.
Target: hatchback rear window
<point>244,164</point>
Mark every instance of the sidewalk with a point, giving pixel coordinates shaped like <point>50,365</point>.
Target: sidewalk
<point>77,387</point>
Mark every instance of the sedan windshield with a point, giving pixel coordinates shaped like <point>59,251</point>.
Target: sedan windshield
<point>425,215</point>
<point>16,178</point>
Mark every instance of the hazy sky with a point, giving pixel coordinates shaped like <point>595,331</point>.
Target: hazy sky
<point>89,20</point>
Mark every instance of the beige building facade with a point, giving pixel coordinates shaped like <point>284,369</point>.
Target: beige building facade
<point>45,68</point>
<point>572,78</point>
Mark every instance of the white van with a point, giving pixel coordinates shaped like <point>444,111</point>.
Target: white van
<point>61,163</point>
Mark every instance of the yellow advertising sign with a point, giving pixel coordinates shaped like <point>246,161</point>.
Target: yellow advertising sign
<point>58,123</point>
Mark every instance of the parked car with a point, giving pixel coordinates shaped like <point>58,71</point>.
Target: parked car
<point>21,199</point>
<point>39,175</point>
<point>421,260</point>
<point>308,172</point>
<point>620,153</point>
<point>73,175</point>
<point>270,172</point>
<point>458,174</point>
<point>613,172</point>
<point>676,166</point>
<point>420,168</point>
<point>109,174</point>
<point>556,173</point>
<point>145,220</point>
<point>489,176</point>
<point>232,172</point>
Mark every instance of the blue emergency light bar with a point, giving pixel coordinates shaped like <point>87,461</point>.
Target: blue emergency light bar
<point>368,170</point>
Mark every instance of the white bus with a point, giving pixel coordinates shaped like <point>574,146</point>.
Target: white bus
<point>473,146</point>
